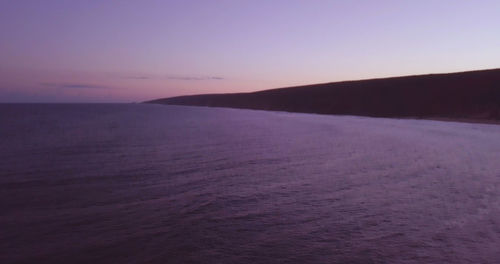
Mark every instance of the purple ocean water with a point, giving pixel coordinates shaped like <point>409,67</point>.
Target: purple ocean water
<point>137,183</point>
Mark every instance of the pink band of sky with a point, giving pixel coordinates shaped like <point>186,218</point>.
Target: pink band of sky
<point>128,51</point>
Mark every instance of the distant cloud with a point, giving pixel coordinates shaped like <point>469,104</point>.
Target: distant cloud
<point>137,77</point>
<point>194,78</point>
<point>73,85</point>
<point>173,77</point>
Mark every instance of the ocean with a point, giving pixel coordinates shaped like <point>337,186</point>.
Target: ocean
<point>141,183</point>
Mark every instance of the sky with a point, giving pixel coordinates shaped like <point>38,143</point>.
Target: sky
<point>131,51</point>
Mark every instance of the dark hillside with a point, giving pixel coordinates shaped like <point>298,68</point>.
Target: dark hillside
<point>464,95</point>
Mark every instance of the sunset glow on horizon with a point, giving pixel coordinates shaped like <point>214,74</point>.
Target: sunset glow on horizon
<point>131,51</point>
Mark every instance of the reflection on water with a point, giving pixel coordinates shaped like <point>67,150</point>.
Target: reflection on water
<point>168,184</point>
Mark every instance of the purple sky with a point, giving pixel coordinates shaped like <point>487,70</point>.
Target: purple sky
<point>123,51</point>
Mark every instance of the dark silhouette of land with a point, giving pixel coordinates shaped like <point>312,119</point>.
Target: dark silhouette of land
<point>473,95</point>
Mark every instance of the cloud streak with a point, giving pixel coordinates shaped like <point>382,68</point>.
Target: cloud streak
<point>174,77</point>
<point>138,77</point>
<point>73,85</point>
<point>194,78</point>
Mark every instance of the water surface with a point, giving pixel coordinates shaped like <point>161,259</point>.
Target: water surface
<point>131,183</point>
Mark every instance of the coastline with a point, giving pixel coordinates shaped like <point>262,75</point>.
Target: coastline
<point>472,97</point>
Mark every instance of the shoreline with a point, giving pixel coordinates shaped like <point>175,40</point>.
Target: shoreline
<point>472,97</point>
<point>441,119</point>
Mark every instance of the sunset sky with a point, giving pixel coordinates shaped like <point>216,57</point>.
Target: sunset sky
<point>130,51</point>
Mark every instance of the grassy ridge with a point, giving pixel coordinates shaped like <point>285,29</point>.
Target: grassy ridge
<point>464,95</point>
